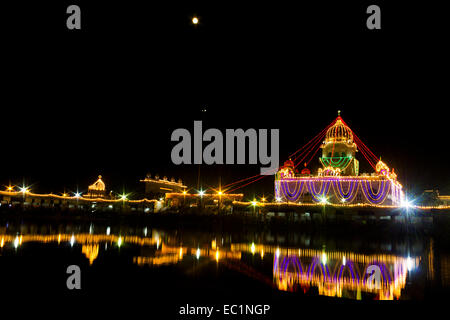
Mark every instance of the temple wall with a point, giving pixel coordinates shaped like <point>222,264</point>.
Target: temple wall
<point>340,190</point>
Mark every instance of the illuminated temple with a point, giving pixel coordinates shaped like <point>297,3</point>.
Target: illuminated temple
<point>338,180</point>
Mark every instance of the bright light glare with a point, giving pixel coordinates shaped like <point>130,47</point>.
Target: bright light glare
<point>24,189</point>
<point>197,254</point>
<point>409,263</point>
<point>16,242</point>
<point>195,20</point>
<point>253,248</point>
<point>324,258</point>
<point>407,203</point>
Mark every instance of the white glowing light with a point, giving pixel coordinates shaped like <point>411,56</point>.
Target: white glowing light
<point>108,231</point>
<point>253,249</point>
<point>72,240</point>
<point>24,189</point>
<point>344,261</point>
<point>195,20</point>
<point>407,203</point>
<point>16,242</point>
<point>324,258</point>
<point>197,254</point>
<point>119,242</point>
<point>409,264</point>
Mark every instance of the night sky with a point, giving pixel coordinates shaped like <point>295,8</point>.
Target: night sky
<point>105,99</point>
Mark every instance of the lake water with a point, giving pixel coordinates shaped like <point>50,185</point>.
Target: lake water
<point>177,267</point>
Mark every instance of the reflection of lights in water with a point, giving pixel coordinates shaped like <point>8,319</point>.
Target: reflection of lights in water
<point>59,238</point>
<point>2,243</point>
<point>217,255</point>
<point>277,253</point>
<point>198,253</point>
<point>16,242</point>
<point>253,249</point>
<point>344,261</point>
<point>324,258</point>
<point>409,264</point>
<point>72,240</point>
<point>91,229</point>
<point>157,243</point>
<point>119,242</point>
<point>181,253</point>
<point>108,231</point>
<point>262,254</point>
<point>145,231</point>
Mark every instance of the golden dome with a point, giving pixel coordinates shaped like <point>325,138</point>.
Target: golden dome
<point>99,185</point>
<point>339,132</point>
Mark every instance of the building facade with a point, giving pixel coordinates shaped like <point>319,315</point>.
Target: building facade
<point>338,180</point>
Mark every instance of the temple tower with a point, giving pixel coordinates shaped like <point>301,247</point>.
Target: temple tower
<point>338,150</point>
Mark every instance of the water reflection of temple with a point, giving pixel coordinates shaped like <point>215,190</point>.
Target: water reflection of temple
<point>329,272</point>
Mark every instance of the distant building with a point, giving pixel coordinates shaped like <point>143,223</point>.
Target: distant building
<point>156,187</point>
<point>432,197</point>
<point>96,190</point>
<point>212,200</point>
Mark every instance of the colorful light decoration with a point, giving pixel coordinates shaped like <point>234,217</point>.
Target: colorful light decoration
<point>293,189</point>
<point>336,162</point>
<point>379,188</point>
